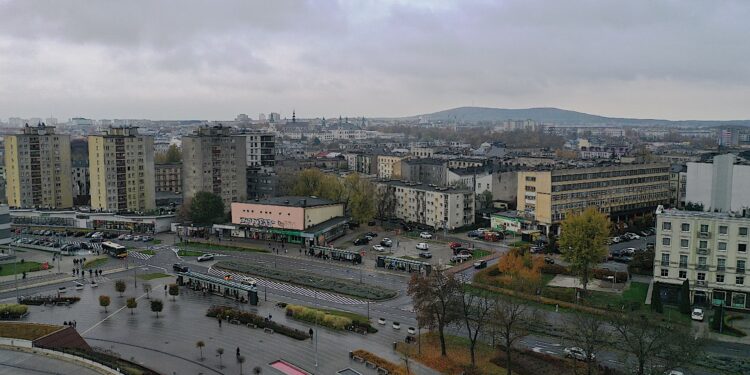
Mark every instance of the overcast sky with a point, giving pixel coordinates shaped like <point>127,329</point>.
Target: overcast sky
<point>215,59</point>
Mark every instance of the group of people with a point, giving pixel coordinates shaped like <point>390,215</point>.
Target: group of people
<point>71,323</point>
<point>82,272</point>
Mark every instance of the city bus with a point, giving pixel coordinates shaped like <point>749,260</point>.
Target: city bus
<point>115,250</point>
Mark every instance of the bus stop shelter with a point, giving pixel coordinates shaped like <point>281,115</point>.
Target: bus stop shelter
<point>217,285</point>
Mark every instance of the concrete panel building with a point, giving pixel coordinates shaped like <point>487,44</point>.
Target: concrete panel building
<point>37,168</point>
<point>121,168</point>
<point>261,149</point>
<point>710,250</point>
<point>619,190</point>
<point>214,161</point>
<point>425,170</point>
<point>389,166</point>
<point>720,185</point>
<point>168,178</point>
<point>437,207</point>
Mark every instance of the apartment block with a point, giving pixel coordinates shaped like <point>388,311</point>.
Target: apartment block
<point>618,190</point>
<point>37,168</point>
<point>710,250</point>
<point>214,161</point>
<point>719,185</point>
<point>121,168</point>
<point>168,178</point>
<point>389,166</point>
<point>261,149</point>
<point>437,207</point>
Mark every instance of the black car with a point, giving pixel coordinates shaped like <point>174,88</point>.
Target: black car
<point>180,268</point>
<point>361,241</point>
<point>86,246</point>
<point>371,234</point>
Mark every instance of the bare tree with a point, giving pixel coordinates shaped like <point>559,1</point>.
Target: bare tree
<point>385,202</point>
<point>436,301</point>
<point>476,309</point>
<point>590,333</point>
<point>511,320</point>
<point>658,347</point>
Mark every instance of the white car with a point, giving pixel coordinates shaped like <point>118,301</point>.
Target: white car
<point>426,235</point>
<point>381,321</point>
<point>205,257</point>
<point>578,354</point>
<point>697,314</point>
<point>411,330</point>
<point>422,246</point>
<point>632,236</point>
<point>396,325</point>
<point>615,239</point>
<point>378,248</point>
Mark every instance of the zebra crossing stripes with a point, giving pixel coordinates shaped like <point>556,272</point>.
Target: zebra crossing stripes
<point>325,296</point>
<point>139,255</point>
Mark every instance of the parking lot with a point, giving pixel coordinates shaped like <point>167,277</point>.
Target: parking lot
<point>402,246</point>
<point>76,240</point>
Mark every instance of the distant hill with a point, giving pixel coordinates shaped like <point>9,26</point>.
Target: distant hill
<point>558,116</point>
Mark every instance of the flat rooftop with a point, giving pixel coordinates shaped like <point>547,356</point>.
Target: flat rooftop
<point>704,214</point>
<point>293,201</point>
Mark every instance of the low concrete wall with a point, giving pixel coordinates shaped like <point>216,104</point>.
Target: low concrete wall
<point>15,342</point>
<point>83,362</point>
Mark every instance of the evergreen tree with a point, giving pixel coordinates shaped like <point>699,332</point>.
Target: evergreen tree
<point>656,299</point>
<point>685,297</point>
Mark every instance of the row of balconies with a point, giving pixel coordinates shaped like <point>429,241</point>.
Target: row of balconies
<point>706,267</point>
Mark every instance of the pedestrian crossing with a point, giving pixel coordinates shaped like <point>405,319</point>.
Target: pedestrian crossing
<point>95,245</point>
<point>139,255</point>
<point>289,288</point>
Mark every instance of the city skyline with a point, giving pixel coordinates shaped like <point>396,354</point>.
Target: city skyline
<point>373,59</point>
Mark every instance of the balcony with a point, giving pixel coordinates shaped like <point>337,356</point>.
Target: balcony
<point>702,267</point>
<point>665,263</point>
<point>740,271</point>
<point>701,283</point>
<point>721,268</point>
<point>703,251</point>
<point>683,265</point>
<point>704,234</point>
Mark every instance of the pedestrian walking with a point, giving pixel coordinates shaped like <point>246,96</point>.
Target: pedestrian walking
<point>238,351</point>
<point>219,321</point>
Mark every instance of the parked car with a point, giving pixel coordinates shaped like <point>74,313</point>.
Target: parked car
<point>460,258</point>
<point>396,325</point>
<point>549,260</point>
<point>578,354</point>
<point>381,321</point>
<point>630,251</point>
<point>180,268</point>
<point>371,223</point>
<point>632,236</point>
<point>480,264</point>
<point>146,238</point>
<point>386,242</point>
<point>461,250</point>
<point>426,235</point>
<point>422,246</point>
<point>411,331</point>
<point>536,249</point>
<point>136,238</point>
<point>378,248</point>
<point>472,233</point>
<point>361,241</point>
<point>697,314</point>
<point>371,234</point>
<point>205,257</point>
<point>121,237</point>
<point>454,245</point>
<point>425,254</point>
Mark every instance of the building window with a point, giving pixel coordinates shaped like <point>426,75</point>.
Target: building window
<point>685,227</point>
<point>701,276</point>
<point>722,229</point>
<point>742,248</point>
<point>722,246</point>
<point>684,243</point>
<point>704,228</point>
<point>740,266</point>
<point>683,261</point>
<point>666,225</point>
<point>719,278</point>
<point>666,241</point>
<point>664,272</point>
<point>721,264</point>
<point>739,280</point>
<point>665,259</point>
<point>743,231</point>
<point>682,274</point>
<point>703,244</point>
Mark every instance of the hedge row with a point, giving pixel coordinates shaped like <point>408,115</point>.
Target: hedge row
<point>12,311</point>
<point>601,274</point>
<point>539,299</point>
<point>42,300</point>
<point>392,368</point>
<point>327,319</point>
<point>341,286</point>
<point>244,317</point>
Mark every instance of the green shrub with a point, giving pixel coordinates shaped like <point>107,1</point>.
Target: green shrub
<point>245,317</point>
<point>601,274</point>
<point>555,269</point>
<point>12,310</point>
<point>562,294</point>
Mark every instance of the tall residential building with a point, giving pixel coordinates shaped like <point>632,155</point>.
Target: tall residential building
<point>619,191</point>
<point>710,250</point>
<point>121,166</point>
<point>37,167</point>
<point>389,166</point>
<point>214,161</point>
<point>261,149</point>
<point>81,183</point>
<point>168,178</point>
<point>719,185</point>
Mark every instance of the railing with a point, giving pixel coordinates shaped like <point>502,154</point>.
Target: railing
<point>704,235</point>
<point>740,270</point>
<point>701,283</point>
<point>721,268</point>
<point>703,251</point>
<point>683,265</point>
<point>665,263</point>
<point>702,267</point>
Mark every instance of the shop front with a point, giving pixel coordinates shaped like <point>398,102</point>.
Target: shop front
<point>731,299</point>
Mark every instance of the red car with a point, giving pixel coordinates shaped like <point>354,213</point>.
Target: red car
<point>454,245</point>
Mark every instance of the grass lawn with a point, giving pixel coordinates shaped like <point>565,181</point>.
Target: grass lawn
<point>147,252</point>
<point>156,242</point>
<point>410,258</point>
<point>479,253</point>
<point>458,355</point>
<point>26,331</point>
<point>9,268</point>
<point>95,263</point>
<point>212,247</point>
<point>634,296</point>
<point>189,253</point>
<point>346,314</point>
<point>151,276</point>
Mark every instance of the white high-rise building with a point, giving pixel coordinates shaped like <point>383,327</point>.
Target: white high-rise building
<point>720,185</point>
